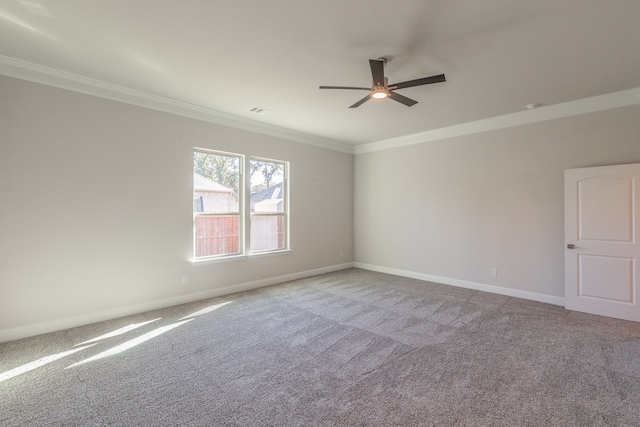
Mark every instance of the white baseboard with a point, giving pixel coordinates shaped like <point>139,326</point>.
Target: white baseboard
<point>100,316</point>
<point>534,296</point>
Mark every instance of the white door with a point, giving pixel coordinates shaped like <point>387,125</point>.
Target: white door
<point>601,240</point>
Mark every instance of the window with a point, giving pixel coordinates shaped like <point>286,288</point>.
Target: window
<point>216,203</point>
<point>220,217</point>
<point>268,205</point>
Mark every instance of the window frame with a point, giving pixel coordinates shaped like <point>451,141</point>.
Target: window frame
<point>241,230</point>
<point>284,214</point>
<point>244,214</point>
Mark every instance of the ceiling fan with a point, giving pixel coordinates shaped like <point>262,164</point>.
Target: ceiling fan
<point>381,89</point>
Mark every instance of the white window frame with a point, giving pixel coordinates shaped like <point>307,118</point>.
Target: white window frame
<point>284,214</point>
<point>241,208</point>
<point>244,214</point>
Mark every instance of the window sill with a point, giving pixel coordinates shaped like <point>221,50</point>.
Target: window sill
<point>270,253</point>
<point>215,260</point>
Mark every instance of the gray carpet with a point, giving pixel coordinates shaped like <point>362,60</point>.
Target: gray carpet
<point>351,348</point>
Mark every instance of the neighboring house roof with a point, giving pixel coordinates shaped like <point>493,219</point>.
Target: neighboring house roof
<point>268,193</point>
<point>201,183</point>
<point>275,192</point>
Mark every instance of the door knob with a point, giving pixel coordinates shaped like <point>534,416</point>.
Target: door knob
<point>571,246</point>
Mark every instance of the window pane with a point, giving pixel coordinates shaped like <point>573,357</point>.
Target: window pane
<point>215,183</point>
<point>267,232</point>
<point>216,204</point>
<point>268,222</point>
<point>217,235</point>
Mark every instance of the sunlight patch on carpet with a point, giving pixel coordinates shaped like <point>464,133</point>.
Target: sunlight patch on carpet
<point>117,332</point>
<point>130,344</point>
<point>206,310</point>
<point>38,363</point>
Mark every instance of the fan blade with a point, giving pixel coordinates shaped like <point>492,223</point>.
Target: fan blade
<point>345,87</point>
<point>362,101</point>
<point>402,99</point>
<point>377,71</point>
<point>418,82</point>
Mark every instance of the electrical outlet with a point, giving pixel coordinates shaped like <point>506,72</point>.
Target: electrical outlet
<point>494,272</point>
<point>185,280</point>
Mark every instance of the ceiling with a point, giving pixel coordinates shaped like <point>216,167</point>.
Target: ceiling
<point>230,55</point>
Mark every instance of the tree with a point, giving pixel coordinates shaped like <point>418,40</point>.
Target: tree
<point>221,169</point>
<point>269,171</point>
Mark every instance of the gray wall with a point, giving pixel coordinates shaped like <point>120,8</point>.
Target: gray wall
<point>96,205</point>
<point>96,209</point>
<point>456,208</point>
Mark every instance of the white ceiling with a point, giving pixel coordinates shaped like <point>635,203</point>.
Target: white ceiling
<point>232,55</point>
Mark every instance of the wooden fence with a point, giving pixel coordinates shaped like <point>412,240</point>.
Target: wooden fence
<point>217,235</point>
<point>267,232</point>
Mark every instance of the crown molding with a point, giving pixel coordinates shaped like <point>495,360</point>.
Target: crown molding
<point>24,70</point>
<point>566,109</point>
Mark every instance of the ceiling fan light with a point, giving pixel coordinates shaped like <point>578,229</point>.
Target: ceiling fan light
<point>379,93</point>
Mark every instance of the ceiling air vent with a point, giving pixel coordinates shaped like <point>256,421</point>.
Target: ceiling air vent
<point>259,110</point>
